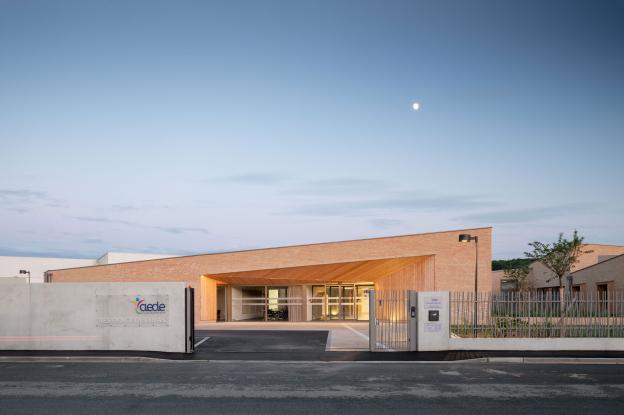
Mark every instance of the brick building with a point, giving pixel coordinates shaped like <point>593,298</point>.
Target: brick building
<point>588,274</point>
<point>321,281</point>
<point>605,277</point>
<point>543,279</point>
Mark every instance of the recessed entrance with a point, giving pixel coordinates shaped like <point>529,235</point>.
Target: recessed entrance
<point>293,303</point>
<point>320,292</point>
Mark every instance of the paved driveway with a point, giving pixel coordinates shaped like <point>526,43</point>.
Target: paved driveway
<point>342,336</point>
<point>260,341</point>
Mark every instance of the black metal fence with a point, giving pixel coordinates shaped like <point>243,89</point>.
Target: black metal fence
<point>537,314</point>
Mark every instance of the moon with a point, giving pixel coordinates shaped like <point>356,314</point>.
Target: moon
<point>415,106</point>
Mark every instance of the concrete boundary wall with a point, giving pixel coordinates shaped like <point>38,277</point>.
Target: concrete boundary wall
<point>93,316</point>
<point>540,344</point>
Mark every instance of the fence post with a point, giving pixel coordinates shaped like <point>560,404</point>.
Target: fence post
<point>529,294</point>
<point>189,326</point>
<point>372,321</point>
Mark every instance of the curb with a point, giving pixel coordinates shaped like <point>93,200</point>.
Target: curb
<point>133,359</point>
<point>572,360</point>
<point>558,360</point>
<point>481,360</point>
<point>81,359</point>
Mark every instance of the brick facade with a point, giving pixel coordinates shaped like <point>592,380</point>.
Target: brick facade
<point>453,261</point>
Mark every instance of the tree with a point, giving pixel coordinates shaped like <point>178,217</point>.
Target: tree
<point>503,264</point>
<point>560,256</point>
<point>518,276</point>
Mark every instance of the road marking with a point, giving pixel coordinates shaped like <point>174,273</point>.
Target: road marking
<point>501,372</point>
<point>383,346</point>
<point>355,331</point>
<point>495,371</point>
<point>329,344</point>
<point>201,341</point>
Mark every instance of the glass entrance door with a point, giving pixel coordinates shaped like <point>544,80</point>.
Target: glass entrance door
<point>340,302</point>
<point>362,301</point>
<point>347,302</point>
<point>277,304</point>
<point>318,300</point>
<point>333,302</point>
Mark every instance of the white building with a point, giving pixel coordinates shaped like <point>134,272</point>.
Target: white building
<point>10,266</point>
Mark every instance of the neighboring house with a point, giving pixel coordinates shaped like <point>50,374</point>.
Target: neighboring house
<point>602,278</point>
<point>542,279</point>
<point>10,266</point>
<point>499,284</point>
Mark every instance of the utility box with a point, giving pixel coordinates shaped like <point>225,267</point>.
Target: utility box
<point>432,331</point>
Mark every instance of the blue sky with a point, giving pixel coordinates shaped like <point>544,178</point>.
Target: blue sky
<point>198,126</point>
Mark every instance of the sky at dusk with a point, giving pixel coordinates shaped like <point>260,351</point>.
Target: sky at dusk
<point>199,126</point>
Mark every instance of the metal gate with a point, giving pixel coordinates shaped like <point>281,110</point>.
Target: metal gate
<point>189,328</point>
<point>392,325</point>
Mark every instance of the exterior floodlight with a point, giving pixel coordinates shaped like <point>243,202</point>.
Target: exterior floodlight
<point>465,237</point>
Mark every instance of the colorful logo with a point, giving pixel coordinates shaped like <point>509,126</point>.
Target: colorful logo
<point>142,307</point>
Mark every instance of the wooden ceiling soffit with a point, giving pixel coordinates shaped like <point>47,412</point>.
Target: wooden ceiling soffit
<point>359,271</point>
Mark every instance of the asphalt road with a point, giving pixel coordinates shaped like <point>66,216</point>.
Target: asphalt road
<point>315,388</point>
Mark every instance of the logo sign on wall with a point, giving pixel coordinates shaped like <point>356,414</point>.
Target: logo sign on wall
<point>145,307</point>
<point>132,311</point>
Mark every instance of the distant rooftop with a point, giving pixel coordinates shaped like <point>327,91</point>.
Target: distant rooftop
<point>38,265</point>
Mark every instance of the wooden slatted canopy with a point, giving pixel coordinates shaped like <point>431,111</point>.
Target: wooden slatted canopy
<point>343,272</point>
